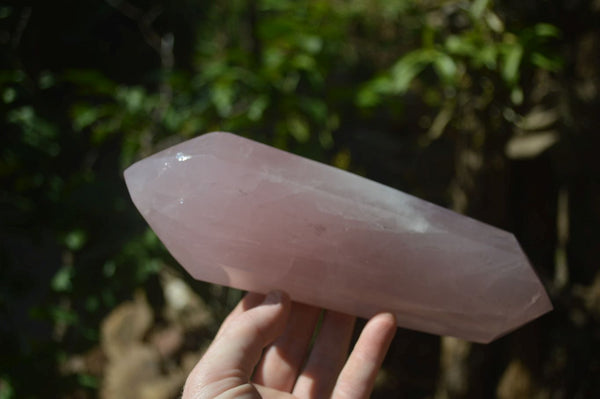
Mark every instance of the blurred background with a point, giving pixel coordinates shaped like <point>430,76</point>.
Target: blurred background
<point>489,108</point>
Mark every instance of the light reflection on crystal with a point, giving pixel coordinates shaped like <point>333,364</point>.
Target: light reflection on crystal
<point>181,157</point>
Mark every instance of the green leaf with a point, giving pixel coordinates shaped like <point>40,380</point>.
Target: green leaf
<point>36,132</point>
<point>494,22</point>
<point>9,95</point>
<point>273,58</point>
<point>90,81</point>
<point>511,63</point>
<point>342,159</point>
<point>516,96</point>
<point>408,67</point>
<point>258,107</point>
<point>109,268</point>
<point>63,315</point>
<point>12,76</point>
<point>298,128</point>
<point>546,30</point>
<point>310,44</point>
<point>132,97</point>
<point>402,74</point>
<point>222,98</point>
<point>550,63</point>
<point>46,80</point>
<point>487,56</point>
<point>150,238</point>
<point>445,68</point>
<point>84,116</point>
<point>6,389</point>
<point>303,61</point>
<point>149,267</point>
<point>315,108</point>
<point>88,381</point>
<point>370,94</point>
<point>75,239</point>
<point>62,280</point>
<point>460,45</point>
<point>478,7</point>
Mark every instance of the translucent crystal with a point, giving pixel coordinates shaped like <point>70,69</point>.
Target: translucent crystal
<point>242,214</point>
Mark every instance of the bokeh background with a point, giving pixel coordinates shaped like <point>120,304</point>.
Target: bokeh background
<point>486,107</point>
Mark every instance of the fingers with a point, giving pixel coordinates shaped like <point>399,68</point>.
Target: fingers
<point>327,357</point>
<point>249,301</point>
<point>358,375</point>
<point>229,361</point>
<point>225,369</point>
<point>282,361</point>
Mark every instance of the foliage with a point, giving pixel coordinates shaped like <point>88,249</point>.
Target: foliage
<point>117,81</point>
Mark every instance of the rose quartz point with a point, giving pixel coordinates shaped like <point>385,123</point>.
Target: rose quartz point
<point>239,213</point>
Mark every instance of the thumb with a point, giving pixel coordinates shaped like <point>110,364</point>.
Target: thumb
<point>231,358</point>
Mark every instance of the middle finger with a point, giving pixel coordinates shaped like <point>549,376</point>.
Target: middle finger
<point>327,356</point>
<point>282,361</point>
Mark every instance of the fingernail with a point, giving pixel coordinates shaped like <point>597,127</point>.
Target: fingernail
<point>273,298</point>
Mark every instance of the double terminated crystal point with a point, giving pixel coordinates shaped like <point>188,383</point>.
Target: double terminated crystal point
<point>242,214</point>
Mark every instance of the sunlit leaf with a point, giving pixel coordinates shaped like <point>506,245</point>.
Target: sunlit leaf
<point>273,58</point>
<point>370,94</point>
<point>90,81</point>
<point>445,67</point>
<point>258,107</point>
<point>550,63</point>
<point>478,7</point>
<point>461,45</point>
<point>132,97</point>
<point>516,96</point>
<point>84,116</point>
<point>298,128</point>
<point>513,53</point>
<point>303,61</point>
<point>342,159</point>
<point>109,268</point>
<point>6,389</point>
<point>61,314</point>
<point>546,30</point>
<point>62,280</point>
<point>408,67</point>
<point>494,22</point>
<point>487,56</point>
<point>8,95</point>
<point>46,80</point>
<point>75,240</point>
<point>311,44</point>
<point>222,97</point>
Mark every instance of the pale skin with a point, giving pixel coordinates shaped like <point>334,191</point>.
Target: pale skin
<point>263,350</point>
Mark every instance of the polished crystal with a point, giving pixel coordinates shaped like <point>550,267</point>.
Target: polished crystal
<point>239,213</point>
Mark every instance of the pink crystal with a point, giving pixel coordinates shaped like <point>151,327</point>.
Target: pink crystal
<point>242,214</point>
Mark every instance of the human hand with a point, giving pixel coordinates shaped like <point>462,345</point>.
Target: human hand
<point>235,365</point>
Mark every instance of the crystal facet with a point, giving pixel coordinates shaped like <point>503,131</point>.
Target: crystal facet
<point>239,213</point>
